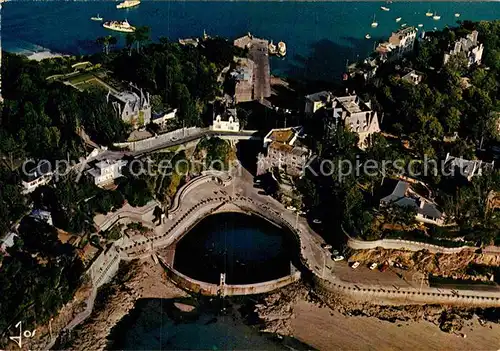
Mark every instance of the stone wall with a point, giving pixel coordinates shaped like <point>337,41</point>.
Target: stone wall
<point>396,244</point>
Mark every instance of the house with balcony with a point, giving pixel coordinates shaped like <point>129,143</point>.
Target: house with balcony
<point>131,105</point>
<point>40,175</point>
<point>405,194</point>
<point>413,77</point>
<point>468,46</point>
<point>105,172</point>
<point>398,45</point>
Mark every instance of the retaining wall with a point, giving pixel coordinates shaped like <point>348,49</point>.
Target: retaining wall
<point>402,296</point>
<point>397,244</point>
<point>158,140</point>
<point>210,289</point>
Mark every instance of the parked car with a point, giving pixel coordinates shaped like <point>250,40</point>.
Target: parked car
<point>373,266</point>
<point>384,267</point>
<point>355,265</point>
<point>337,258</point>
<point>326,246</point>
<point>335,252</point>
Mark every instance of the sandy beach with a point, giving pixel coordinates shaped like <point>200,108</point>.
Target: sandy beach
<point>325,329</point>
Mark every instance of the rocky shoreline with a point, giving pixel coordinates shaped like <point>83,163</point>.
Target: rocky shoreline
<point>278,314</point>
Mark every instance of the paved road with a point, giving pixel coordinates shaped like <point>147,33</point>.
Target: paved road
<point>262,73</point>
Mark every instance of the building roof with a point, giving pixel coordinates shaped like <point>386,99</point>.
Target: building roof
<point>319,96</point>
<point>295,150</point>
<point>467,168</point>
<point>8,239</point>
<point>281,135</point>
<point>404,195</point>
<point>42,168</point>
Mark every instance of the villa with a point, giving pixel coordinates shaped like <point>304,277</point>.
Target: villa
<point>284,151</point>
<point>470,47</point>
<point>105,172</point>
<point>413,77</point>
<point>399,44</point>
<point>405,195</point>
<point>38,176</point>
<point>356,115</point>
<point>131,105</point>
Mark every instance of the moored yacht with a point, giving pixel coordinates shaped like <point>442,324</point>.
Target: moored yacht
<point>436,17</point>
<point>119,26</point>
<point>127,4</point>
<point>429,13</point>
<point>374,23</point>
<point>398,19</point>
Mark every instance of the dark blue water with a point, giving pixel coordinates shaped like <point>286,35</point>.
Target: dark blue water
<point>320,36</point>
<point>246,248</point>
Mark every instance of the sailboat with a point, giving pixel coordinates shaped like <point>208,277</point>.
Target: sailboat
<point>436,17</point>
<point>429,13</point>
<point>374,23</point>
<point>96,18</point>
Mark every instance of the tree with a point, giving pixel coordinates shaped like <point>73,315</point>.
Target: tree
<point>141,35</point>
<point>130,39</point>
<point>106,42</point>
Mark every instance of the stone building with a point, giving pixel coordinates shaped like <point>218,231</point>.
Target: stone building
<point>284,151</point>
<point>105,172</point>
<point>132,106</point>
<point>226,121</point>
<point>469,46</point>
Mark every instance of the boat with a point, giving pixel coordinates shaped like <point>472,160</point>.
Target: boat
<point>281,48</point>
<point>420,25</point>
<point>457,15</point>
<point>96,18</point>
<point>403,25</point>
<point>272,48</point>
<point>429,13</point>
<point>436,17</point>
<point>127,4</point>
<point>119,26</point>
<point>398,19</point>
<point>374,23</point>
<point>368,36</point>
<point>383,8</point>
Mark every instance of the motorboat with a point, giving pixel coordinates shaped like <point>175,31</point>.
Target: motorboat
<point>436,17</point>
<point>374,23</point>
<point>420,25</point>
<point>368,36</point>
<point>429,13</point>
<point>398,19</point>
<point>96,18</point>
<point>457,15</point>
<point>383,8</point>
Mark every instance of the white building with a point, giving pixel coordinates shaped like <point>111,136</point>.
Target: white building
<point>470,47</point>
<point>403,41</point>
<point>38,176</point>
<point>105,172</point>
<point>226,122</point>
<point>7,241</point>
<point>413,77</point>
<point>467,168</point>
<point>162,119</point>
<point>316,101</point>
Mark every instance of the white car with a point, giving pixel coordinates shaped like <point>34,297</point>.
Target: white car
<point>326,246</point>
<point>291,208</point>
<point>355,265</point>
<point>373,266</point>
<point>338,258</point>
